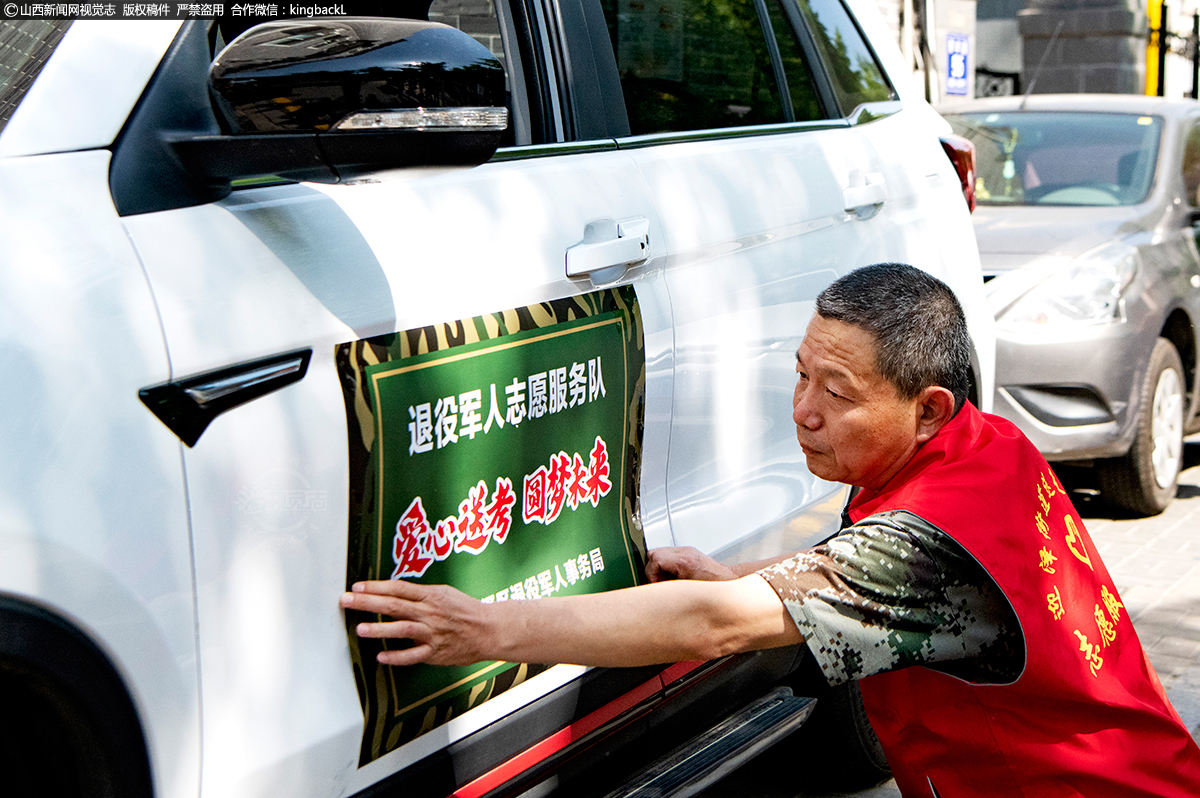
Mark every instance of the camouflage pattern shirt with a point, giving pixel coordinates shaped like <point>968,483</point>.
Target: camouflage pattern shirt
<point>892,591</point>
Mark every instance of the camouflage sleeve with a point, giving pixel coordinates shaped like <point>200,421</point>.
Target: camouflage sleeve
<point>893,591</point>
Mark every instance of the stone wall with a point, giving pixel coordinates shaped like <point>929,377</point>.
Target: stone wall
<point>1100,47</point>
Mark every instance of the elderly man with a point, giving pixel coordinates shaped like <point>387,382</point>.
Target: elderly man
<point>994,654</point>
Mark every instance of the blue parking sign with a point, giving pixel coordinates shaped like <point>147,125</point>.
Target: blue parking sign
<point>958,49</point>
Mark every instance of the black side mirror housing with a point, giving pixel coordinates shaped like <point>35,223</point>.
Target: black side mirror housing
<point>328,100</point>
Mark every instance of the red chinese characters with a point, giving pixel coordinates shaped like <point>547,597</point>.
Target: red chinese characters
<point>566,483</point>
<point>410,547</point>
<point>416,545</point>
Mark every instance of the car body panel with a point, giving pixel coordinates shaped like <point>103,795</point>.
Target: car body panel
<point>1051,230</point>
<point>739,300</point>
<point>106,547</point>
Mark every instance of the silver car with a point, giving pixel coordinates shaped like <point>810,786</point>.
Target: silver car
<point>1087,206</point>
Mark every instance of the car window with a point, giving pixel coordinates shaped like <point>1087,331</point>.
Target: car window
<point>849,62</point>
<point>1066,158</point>
<point>25,45</point>
<point>693,64</point>
<point>1191,166</point>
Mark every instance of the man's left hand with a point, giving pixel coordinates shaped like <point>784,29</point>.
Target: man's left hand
<point>446,626</point>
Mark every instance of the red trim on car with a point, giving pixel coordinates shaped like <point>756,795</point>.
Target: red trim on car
<point>561,739</point>
<point>679,670</point>
<point>961,152</point>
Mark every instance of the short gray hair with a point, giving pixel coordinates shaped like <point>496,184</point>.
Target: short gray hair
<point>920,331</point>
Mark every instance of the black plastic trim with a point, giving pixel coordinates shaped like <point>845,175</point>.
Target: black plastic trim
<point>189,405</point>
<point>781,81</point>
<point>46,658</point>
<point>593,81</point>
<point>537,82</point>
<point>1062,405</point>
<point>655,139</point>
<point>555,33</point>
<point>146,174</point>
<point>825,94</point>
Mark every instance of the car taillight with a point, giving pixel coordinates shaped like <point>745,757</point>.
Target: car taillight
<point>962,154</point>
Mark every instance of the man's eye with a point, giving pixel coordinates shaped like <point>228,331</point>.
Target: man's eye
<point>834,394</point>
<point>802,375</point>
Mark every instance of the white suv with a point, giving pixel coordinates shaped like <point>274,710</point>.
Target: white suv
<point>499,300</point>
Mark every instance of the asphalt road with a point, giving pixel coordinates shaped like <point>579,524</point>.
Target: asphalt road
<point>1155,563</point>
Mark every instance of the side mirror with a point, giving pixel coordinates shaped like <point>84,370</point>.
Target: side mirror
<point>328,100</point>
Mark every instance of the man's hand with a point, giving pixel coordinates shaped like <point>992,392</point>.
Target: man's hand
<point>685,562</point>
<point>447,627</point>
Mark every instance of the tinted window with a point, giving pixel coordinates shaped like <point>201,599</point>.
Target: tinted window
<point>849,62</point>
<point>1191,166</point>
<point>692,64</point>
<point>24,47</point>
<point>1042,158</point>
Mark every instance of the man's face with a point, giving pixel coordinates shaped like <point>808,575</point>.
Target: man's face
<point>852,424</point>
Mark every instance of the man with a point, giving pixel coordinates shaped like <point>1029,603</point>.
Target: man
<point>965,558</point>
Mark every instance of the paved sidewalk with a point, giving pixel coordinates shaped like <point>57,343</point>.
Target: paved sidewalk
<point>1155,563</point>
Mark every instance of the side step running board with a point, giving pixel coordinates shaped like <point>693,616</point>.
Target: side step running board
<point>709,757</point>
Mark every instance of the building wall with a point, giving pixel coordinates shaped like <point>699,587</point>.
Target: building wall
<point>1099,46</point>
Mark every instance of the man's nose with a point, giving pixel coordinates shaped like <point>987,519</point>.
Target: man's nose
<point>803,413</point>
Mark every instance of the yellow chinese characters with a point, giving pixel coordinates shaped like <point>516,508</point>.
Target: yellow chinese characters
<point>1047,559</point>
<point>1044,499</point>
<point>1054,604</point>
<point>1042,526</point>
<point>1091,653</point>
<point>1075,542</point>
<point>1108,632</point>
<point>1051,486</point>
<point>1111,602</point>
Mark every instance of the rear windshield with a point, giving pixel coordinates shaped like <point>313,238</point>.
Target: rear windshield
<point>1061,158</point>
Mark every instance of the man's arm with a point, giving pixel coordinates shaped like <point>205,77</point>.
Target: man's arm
<point>650,624</point>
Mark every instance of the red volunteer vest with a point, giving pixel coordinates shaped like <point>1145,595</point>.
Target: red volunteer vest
<point>1088,716</point>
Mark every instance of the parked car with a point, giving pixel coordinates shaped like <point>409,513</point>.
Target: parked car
<point>1086,229</point>
<point>288,305</point>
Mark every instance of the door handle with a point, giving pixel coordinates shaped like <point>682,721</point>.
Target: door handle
<point>609,248</point>
<point>864,195</point>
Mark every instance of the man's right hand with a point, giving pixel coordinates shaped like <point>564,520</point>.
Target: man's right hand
<point>685,562</point>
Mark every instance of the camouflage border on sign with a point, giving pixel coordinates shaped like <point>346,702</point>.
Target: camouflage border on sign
<point>381,733</point>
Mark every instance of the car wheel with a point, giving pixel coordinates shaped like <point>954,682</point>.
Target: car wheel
<point>1143,481</point>
<point>838,734</point>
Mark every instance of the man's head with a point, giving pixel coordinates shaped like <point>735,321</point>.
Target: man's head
<point>884,365</point>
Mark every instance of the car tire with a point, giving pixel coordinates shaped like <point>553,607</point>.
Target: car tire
<point>838,734</point>
<point>1144,480</point>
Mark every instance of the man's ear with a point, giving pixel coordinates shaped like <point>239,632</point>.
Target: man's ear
<point>935,407</point>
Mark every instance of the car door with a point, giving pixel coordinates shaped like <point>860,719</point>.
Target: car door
<point>406,319</point>
<point>753,129</point>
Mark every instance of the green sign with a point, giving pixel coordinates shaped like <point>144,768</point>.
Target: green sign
<point>505,466</point>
